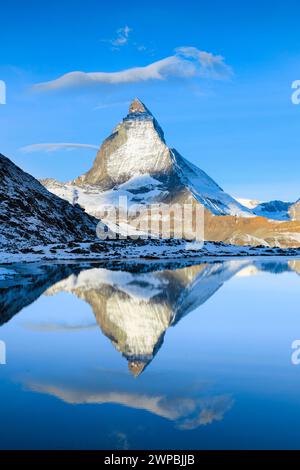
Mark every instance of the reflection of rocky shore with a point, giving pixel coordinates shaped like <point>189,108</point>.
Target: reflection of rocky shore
<point>26,284</point>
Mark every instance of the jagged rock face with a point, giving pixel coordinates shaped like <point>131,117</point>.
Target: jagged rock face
<point>136,147</point>
<point>31,215</point>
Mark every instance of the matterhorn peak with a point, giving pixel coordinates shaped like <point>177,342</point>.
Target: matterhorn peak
<point>135,161</point>
<point>138,107</point>
<point>140,115</point>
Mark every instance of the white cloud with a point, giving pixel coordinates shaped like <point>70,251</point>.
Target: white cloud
<point>187,62</point>
<point>54,147</point>
<point>54,327</point>
<point>122,37</point>
<point>211,66</point>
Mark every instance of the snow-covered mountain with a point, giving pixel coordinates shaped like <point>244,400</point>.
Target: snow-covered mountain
<point>31,215</point>
<point>275,210</point>
<point>249,203</point>
<point>135,161</point>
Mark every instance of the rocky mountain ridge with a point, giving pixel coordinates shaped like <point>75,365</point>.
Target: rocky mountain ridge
<point>31,215</point>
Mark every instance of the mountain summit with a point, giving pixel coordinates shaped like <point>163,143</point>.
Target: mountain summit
<point>137,107</point>
<point>135,162</point>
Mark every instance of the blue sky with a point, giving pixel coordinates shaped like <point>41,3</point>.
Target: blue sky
<point>240,127</point>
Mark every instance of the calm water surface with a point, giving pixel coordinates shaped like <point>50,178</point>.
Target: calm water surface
<point>150,356</point>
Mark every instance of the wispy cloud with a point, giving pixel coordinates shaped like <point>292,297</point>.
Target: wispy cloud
<point>57,327</point>
<point>141,47</point>
<point>122,36</point>
<point>211,66</point>
<point>187,62</point>
<point>54,147</point>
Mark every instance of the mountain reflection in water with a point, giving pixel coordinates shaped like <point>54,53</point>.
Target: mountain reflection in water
<point>201,380</point>
<point>133,304</point>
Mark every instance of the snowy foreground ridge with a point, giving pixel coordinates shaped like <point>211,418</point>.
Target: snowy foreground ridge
<point>150,250</point>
